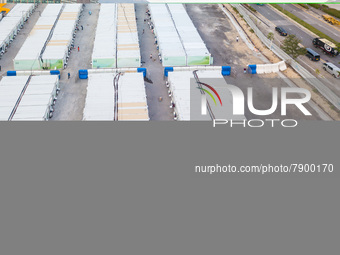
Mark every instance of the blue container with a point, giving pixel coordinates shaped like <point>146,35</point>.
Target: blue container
<point>252,69</point>
<point>226,70</point>
<point>167,70</point>
<point>11,73</point>
<point>142,70</point>
<point>55,72</point>
<point>83,74</point>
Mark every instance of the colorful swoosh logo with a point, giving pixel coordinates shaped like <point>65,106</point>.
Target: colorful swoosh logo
<point>209,93</point>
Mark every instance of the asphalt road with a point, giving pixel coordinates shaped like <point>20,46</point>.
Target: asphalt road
<point>306,38</point>
<point>324,27</point>
<point>292,28</point>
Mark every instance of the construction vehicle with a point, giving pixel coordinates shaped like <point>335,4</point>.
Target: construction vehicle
<point>331,20</point>
<point>327,46</point>
<point>3,9</point>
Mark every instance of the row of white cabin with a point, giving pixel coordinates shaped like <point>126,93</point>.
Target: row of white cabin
<point>47,49</point>
<point>116,43</point>
<point>28,97</point>
<point>11,24</point>
<point>114,96</point>
<point>178,41</point>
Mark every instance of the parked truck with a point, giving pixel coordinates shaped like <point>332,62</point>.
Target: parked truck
<point>327,46</point>
<point>331,20</point>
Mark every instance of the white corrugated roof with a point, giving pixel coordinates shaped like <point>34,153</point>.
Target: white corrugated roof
<point>99,103</point>
<point>176,34</point>
<point>10,90</point>
<point>128,51</point>
<point>132,104</point>
<point>57,48</point>
<point>192,41</point>
<point>183,95</point>
<point>35,41</point>
<point>168,39</point>
<point>11,22</point>
<point>105,39</point>
<point>36,101</point>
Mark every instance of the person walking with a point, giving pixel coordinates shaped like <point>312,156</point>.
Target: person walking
<point>78,48</point>
<point>0,68</point>
<point>82,28</point>
<point>236,38</point>
<point>150,56</point>
<point>69,75</point>
<point>143,32</point>
<point>244,70</point>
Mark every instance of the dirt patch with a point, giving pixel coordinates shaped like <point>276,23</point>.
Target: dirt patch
<point>290,73</point>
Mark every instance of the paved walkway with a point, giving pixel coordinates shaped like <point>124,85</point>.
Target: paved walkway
<point>157,110</point>
<point>71,100</point>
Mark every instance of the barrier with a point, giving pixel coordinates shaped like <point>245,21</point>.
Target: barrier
<point>142,70</point>
<point>36,72</point>
<point>225,70</point>
<point>267,68</point>
<point>11,73</point>
<point>83,73</point>
<point>251,69</point>
<point>167,70</point>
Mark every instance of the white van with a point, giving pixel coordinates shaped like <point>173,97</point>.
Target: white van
<point>332,69</point>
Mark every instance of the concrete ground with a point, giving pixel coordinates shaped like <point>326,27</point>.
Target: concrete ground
<point>6,61</point>
<point>157,110</point>
<point>220,37</point>
<point>71,99</point>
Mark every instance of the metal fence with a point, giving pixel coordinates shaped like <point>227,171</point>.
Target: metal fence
<point>312,80</point>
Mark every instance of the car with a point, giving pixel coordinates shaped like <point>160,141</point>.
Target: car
<point>281,31</point>
<point>312,55</point>
<point>332,69</point>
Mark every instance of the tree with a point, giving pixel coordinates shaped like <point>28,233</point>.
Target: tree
<point>270,36</point>
<point>291,46</point>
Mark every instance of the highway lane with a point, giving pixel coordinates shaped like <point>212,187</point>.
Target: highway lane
<point>326,28</point>
<point>306,38</point>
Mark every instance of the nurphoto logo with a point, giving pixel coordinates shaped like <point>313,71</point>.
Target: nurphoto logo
<point>238,102</point>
